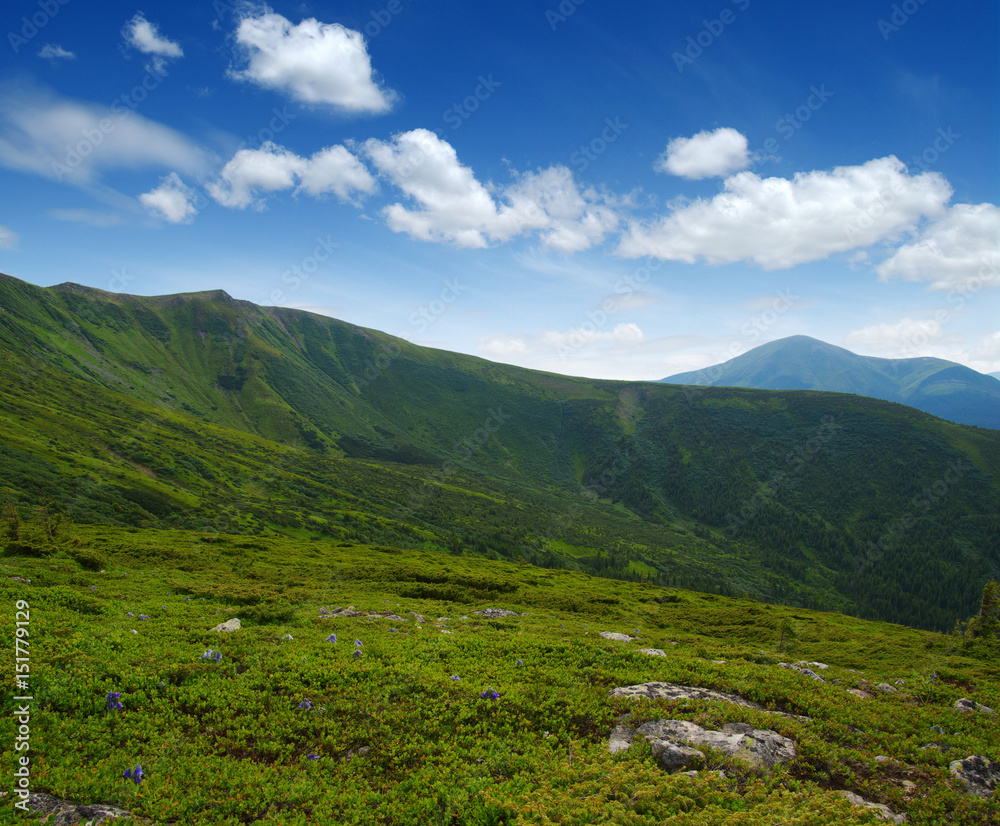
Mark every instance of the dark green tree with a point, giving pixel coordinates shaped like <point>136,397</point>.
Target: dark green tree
<point>987,622</point>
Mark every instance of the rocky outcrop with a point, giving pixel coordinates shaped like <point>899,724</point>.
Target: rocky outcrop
<point>653,652</point>
<point>881,809</point>
<point>671,742</point>
<point>885,688</point>
<point>801,669</point>
<point>56,812</point>
<point>228,625</point>
<point>979,774</point>
<point>673,691</point>
<point>498,613</point>
<point>611,635</point>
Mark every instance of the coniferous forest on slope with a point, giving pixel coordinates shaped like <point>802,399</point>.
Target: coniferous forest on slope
<point>203,412</point>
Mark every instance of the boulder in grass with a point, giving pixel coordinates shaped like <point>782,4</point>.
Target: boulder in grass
<point>675,757</point>
<point>978,773</point>
<point>228,625</point>
<point>672,740</point>
<point>611,635</point>
<point>883,811</point>
<point>965,704</point>
<point>56,811</point>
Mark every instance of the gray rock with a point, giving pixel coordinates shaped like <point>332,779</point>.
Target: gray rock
<point>881,809</point>
<point>653,652</point>
<point>672,691</point>
<point>673,757</point>
<point>965,704</point>
<point>979,774</point>
<point>498,613</point>
<point>885,688</point>
<point>807,671</point>
<point>621,738</point>
<point>857,692</point>
<point>58,812</point>
<point>757,748</point>
<point>417,617</point>
<point>228,625</point>
<point>611,635</point>
<point>820,666</point>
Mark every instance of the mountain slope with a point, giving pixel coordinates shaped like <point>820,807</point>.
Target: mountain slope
<point>936,386</point>
<point>200,411</point>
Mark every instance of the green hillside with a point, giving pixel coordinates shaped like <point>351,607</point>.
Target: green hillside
<point>936,386</point>
<point>203,412</point>
<point>413,708</point>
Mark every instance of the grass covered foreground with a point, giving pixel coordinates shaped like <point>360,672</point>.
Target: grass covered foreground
<point>362,720</point>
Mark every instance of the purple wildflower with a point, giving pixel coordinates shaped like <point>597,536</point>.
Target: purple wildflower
<point>305,704</point>
<point>455,677</point>
<point>332,638</point>
<point>489,694</point>
<point>112,703</point>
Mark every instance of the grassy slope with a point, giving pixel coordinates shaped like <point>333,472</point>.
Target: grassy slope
<point>200,410</point>
<point>229,743</point>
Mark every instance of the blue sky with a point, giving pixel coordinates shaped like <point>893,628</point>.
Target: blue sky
<point>622,190</point>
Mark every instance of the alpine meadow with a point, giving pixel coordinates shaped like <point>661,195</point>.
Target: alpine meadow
<point>525,413</point>
<point>404,533</point>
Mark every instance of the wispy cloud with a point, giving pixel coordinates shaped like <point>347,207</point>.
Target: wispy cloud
<point>8,238</point>
<point>75,142</point>
<point>145,36</point>
<point>53,51</point>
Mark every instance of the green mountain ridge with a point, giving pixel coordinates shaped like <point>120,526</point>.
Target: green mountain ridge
<point>200,411</point>
<point>936,386</point>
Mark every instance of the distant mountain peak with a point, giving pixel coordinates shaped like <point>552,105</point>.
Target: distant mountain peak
<point>942,388</point>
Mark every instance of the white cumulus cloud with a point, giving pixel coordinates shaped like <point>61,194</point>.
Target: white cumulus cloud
<point>273,168</point>
<point>172,200</point>
<point>316,63</point>
<point>778,223</point>
<point>706,155</point>
<point>959,250</point>
<point>145,36</point>
<point>454,207</point>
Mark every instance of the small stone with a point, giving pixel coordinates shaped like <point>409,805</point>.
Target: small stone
<point>881,809</point>
<point>611,635</point>
<point>652,652</point>
<point>885,688</point>
<point>228,625</point>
